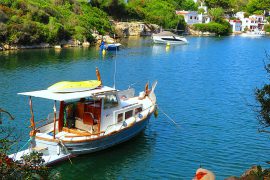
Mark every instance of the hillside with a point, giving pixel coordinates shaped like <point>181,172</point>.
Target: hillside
<point>28,22</point>
<point>35,21</point>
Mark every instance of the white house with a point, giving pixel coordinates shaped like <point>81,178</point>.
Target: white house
<point>254,22</point>
<point>236,25</point>
<point>240,15</point>
<point>249,24</point>
<point>260,19</point>
<point>192,17</point>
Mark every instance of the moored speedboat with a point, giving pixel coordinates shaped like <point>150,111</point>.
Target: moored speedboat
<point>88,121</point>
<point>166,37</point>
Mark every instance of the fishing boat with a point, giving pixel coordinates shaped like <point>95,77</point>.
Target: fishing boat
<point>167,37</point>
<point>87,121</point>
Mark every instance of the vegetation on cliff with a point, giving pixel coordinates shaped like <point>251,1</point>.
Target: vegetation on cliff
<point>28,22</point>
<point>35,21</point>
<point>159,12</point>
<point>250,6</point>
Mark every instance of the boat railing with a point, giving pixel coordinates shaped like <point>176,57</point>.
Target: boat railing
<point>136,117</point>
<point>49,119</point>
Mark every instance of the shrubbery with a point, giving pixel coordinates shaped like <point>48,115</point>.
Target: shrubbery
<point>29,22</point>
<point>267,27</point>
<point>213,27</point>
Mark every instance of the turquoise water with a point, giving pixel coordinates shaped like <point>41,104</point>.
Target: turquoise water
<point>207,87</point>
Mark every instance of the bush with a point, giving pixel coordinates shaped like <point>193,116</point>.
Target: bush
<point>218,28</point>
<point>267,28</point>
<point>28,22</point>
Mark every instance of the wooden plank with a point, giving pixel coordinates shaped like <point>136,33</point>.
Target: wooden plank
<point>76,131</point>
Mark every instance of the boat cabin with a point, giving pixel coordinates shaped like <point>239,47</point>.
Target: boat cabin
<point>89,112</point>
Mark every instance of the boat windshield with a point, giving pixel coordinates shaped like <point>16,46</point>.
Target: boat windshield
<point>171,39</point>
<point>110,101</point>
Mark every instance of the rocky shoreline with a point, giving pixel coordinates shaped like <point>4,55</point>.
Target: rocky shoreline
<point>122,29</point>
<point>254,173</point>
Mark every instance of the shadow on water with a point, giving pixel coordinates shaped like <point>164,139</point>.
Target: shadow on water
<point>114,160</point>
<point>12,60</point>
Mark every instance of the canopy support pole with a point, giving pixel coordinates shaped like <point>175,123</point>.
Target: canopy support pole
<point>54,120</point>
<point>32,120</point>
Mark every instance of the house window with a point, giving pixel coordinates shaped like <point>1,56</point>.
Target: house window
<point>138,110</point>
<point>128,114</point>
<point>190,17</point>
<point>120,117</point>
<point>110,101</point>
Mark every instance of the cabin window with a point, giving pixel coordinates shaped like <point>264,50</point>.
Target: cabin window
<point>128,114</point>
<point>138,110</point>
<point>110,101</point>
<point>120,117</point>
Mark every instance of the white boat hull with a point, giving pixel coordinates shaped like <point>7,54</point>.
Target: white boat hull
<point>55,152</point>
<point>108,141</point>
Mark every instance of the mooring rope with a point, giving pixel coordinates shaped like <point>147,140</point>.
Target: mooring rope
<point>168,117</point>
<point>66,150</point>
<point>25,144</point>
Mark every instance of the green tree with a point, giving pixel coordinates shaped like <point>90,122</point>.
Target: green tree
<point>258,5</point>
<point>263,99</point>
<point>225,4</point>
<point>201,11</point>
<point>189,5</point>
<point>216,14</point>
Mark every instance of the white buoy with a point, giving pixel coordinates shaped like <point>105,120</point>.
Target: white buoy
<point>204,174</point>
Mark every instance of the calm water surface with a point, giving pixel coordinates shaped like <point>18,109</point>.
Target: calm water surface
<point>205,86</point>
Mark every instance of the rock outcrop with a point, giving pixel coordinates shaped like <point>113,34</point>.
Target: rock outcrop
<point>124,29</point>
<point>254,173</point>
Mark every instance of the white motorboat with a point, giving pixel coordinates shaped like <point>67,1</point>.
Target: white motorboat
<point>166,37</point>
<point>87,121</point>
